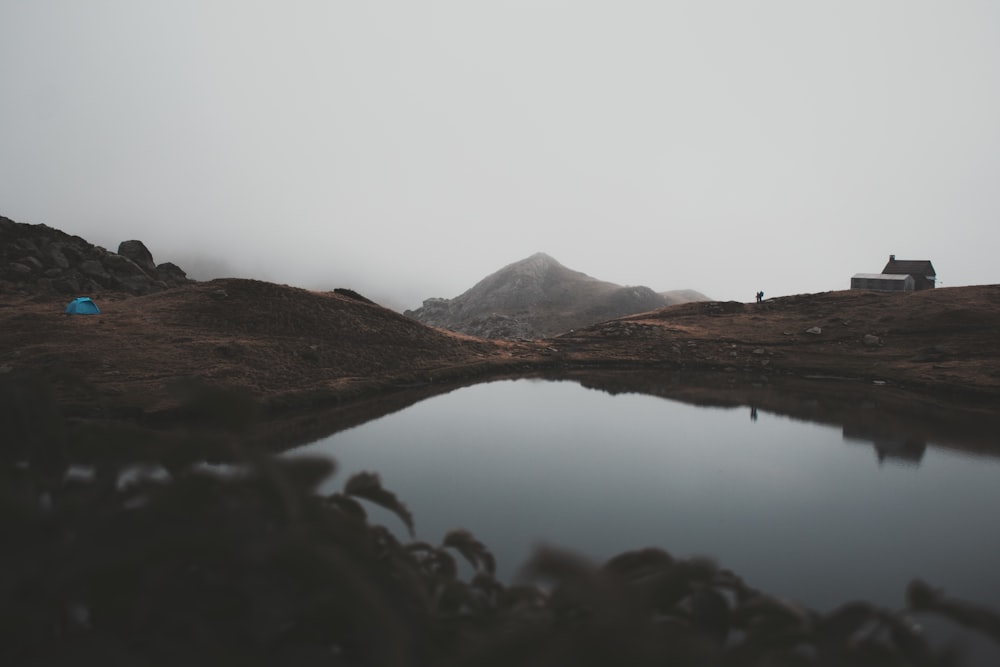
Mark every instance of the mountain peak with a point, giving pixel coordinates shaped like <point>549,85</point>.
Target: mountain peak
<point>535,297</point>
<point>538,261</point>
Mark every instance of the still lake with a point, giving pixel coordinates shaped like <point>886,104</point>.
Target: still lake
<point>803,510</point>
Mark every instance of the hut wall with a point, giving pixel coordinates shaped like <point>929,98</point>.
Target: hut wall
<point>883,284</point>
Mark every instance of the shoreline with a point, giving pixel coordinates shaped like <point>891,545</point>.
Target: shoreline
<point>141,359</point>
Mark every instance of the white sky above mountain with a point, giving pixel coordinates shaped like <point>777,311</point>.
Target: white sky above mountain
<point>406,149</point>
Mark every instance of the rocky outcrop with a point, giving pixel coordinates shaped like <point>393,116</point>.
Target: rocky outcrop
<point>40,259</point>
<point>536,298</point>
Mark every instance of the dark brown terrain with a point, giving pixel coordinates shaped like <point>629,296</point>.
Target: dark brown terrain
<point>942,340</point>
<point>287,347</point>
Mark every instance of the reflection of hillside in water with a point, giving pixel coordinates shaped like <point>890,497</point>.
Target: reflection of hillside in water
<point>898,423</point>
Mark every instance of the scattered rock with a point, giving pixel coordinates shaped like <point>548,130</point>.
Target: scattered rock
<point>871,340</point>
<point>814,331</point>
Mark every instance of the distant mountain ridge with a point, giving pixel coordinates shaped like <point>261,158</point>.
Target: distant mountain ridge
<point>538,297</point>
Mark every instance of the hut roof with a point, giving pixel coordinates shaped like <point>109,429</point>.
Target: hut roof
<point>916,267</point>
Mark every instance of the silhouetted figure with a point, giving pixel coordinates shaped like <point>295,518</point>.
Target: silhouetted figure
<point>760,296</point>
<point>753,413</point>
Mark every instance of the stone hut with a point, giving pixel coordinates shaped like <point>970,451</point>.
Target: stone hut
<point>899,275</point>
<point>922,271</point>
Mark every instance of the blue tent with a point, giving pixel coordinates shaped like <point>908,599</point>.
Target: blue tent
<point>82,306</point>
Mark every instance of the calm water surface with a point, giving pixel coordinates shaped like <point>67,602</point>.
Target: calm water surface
<point>796,508</point>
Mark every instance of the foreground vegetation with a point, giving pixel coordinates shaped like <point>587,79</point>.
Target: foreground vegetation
<point>115,554</point>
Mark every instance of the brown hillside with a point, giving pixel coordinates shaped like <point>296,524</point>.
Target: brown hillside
<point>288,347</point>
<point>941,339</point>
<point>281,344</point>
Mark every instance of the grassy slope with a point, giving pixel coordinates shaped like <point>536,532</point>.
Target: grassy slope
<point>943,339</point>
<point>288,346</point>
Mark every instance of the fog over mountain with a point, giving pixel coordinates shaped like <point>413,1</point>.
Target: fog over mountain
<point>538,297</point>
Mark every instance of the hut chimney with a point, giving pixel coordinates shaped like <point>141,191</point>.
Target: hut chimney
<point>892,258</point>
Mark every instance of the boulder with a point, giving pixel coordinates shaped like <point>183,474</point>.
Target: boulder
<point>18,269</point>
<point>57,256</point>
<point>33,262</point>
<point>171,273</point>
<point>138,253</point>
<point>27,245</point>
<point>66,284</point>
<point>94,269</point>
<point>73,254</point>
<point>122,266</point>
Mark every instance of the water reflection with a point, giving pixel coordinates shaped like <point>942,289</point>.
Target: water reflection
<point>787,500</point>
<point>875,414</point>
<point>894,447</point>
<point>894,420</point>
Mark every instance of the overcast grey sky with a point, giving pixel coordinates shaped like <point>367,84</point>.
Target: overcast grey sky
<point>407,148</point>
